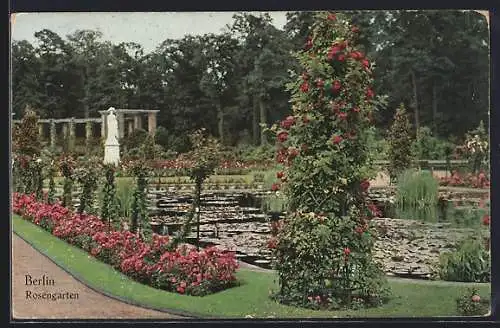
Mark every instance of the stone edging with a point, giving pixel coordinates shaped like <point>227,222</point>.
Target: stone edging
<point>186,314</point>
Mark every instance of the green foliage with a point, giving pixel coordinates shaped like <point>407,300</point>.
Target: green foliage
<point>471,262</point>
<point>87,176</point>
<point>25,139</point>
<point>476,148</point>
<point>124,196</point>
<point>255,153</point>
<point>324,248</point>
<point>399,144</point>
<point>67,165</point>
<point>427,147</point>
<point>139,215</point>
<point>52,185</point>
<point>416,189</point>
<point>173,143</point>
<point>109,204</point>
<point>379,146</point>
<point>470,303</point>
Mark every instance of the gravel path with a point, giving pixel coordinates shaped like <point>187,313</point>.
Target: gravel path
<point>88,305</point>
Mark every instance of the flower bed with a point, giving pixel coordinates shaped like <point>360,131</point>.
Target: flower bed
<point>470,180</point>
<point>185,270</point>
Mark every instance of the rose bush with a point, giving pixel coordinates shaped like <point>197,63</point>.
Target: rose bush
<point>470,180</point>
<point>183,270</point>
<point>323,250</point>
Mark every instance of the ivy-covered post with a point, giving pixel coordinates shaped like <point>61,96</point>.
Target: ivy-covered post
<point>51,197</point>
<point>109,208</point>
<point>67,165</point>
<point>53,135</point>
<point>139,207</point>
<point>324,249</point>
<point>38,178</point>
<point>400,143</point>
<point>86,176</point>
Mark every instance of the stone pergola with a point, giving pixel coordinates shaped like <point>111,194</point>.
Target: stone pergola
<point>133,123</point>
<point>68,129</point>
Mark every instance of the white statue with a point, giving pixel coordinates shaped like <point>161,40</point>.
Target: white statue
<point>112,146</point>
<point>112,135</point>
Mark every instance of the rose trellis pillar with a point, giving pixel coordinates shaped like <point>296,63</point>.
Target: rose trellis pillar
<point>53,134</point>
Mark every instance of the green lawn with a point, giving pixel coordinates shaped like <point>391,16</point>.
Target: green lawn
<point>409,298</point>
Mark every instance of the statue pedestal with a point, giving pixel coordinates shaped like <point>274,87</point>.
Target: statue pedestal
<point>112,153</point>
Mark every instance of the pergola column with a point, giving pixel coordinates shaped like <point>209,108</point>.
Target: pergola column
<point>40,130</point>
<point>72,134</point>
<point>53,134</point>
<point>121,125</point>
<point>151,123</point>
<point>137,122</point>
<point>88,132</point>
<point>103,125</point>
<point>130,127</point>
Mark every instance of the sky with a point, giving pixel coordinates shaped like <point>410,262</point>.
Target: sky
<point>147,29</point>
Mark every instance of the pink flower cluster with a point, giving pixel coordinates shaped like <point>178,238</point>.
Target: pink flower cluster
<point>479,180</point>
<point>184,270</point>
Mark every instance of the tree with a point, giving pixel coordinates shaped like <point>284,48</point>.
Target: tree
<point>264,59</point>
<point>323,252</point>
<point>205,156</point>
<point>220,52</point>
<point>400,143</point>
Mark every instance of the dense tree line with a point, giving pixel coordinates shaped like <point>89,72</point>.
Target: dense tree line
<point>233,83</point>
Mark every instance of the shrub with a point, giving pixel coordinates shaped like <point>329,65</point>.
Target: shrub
<point>428,147</point>
<point>469,263</point>
<point>470,303</point>
<point>323,252</point>
<point>399,144</point>
<point>182,270</point>
<point>416,189</point>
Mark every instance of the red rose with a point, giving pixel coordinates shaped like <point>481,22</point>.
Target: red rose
<point>356,109</point>
<point>336,86</point>
<point>180,290</point>
<point>280,175</point>
<point>476,298</point>
<point>369,93</point>
<point>305,77</point>
<point>359,230</point>
<point>337,139</point>
<point>365,184</point>
<point>282,136</point>
<point>366,63</point>
<point>343,116</point>
<point>341,58</point>
<point>347,251</point>
<point>275,187</point>
<point>355,29</point>
<point>351,134</point>
<point>288,122</point>
<point>304,87</point>
<point>332,17</point>
<point>293,152</point>
<point>486,220</point>
<point>320,83</point>
<point>271,243</point>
